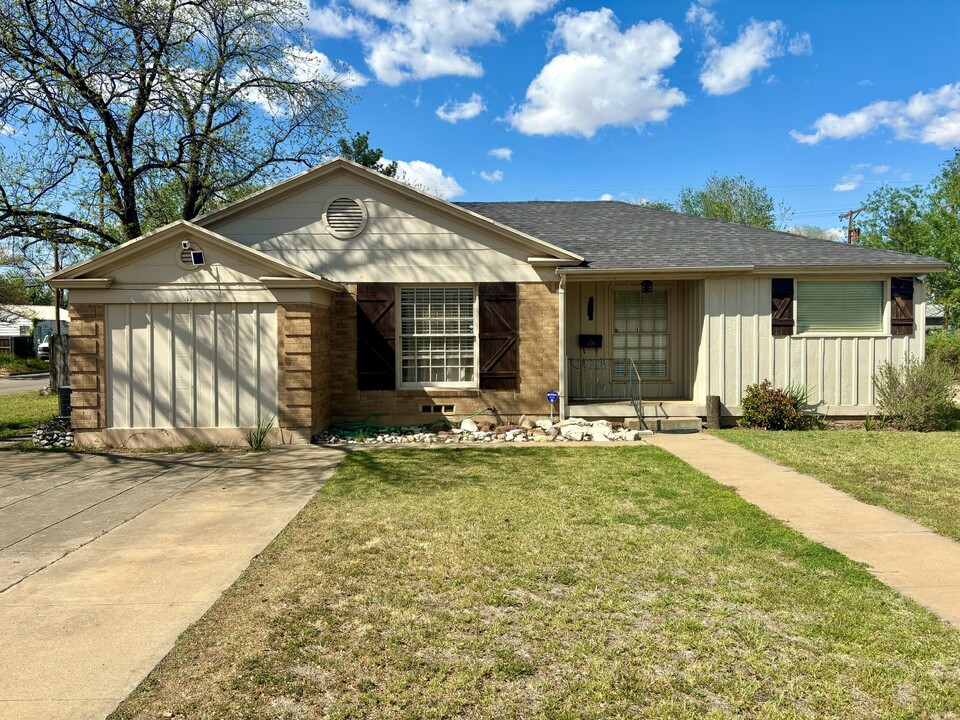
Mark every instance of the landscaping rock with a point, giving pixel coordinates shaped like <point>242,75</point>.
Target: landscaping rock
<point>468,425</point>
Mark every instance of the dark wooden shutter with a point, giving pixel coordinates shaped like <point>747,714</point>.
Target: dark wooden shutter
<point>782,292</point>
<point>901,316</point>
<point>376,336</point>
<point>499,336</point>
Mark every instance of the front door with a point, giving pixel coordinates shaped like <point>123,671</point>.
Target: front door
<point>641,332</point>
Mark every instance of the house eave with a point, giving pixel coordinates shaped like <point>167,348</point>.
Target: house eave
<point>79,283</point>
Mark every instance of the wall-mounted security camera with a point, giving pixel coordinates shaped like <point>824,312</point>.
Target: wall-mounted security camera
<point>185,244</point>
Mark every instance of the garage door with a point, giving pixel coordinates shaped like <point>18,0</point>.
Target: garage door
<point>190,365</point>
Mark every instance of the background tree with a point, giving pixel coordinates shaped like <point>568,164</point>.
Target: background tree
<point>734,199</point>
<point>812,231</point>
<point>106,100</point>
<point>358,149</point>
<point>924,220</point>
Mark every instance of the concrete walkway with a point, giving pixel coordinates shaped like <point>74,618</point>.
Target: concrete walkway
<point>905,555</point>
<point>151,541</point>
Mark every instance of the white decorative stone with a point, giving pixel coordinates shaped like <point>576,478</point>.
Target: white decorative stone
<point>468,425</point>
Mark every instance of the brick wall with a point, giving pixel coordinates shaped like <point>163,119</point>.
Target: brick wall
<point>539,369</point>
<point>303,378</point>
<point>87,367</point>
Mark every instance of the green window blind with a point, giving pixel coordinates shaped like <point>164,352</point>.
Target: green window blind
<point>836,306</point>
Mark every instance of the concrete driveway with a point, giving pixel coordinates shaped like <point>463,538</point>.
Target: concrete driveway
<point>106,559</point>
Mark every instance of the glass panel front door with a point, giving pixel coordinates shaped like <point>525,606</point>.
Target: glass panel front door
<point>640,332</point>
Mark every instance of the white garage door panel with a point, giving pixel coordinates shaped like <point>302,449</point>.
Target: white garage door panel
<point>191,365</point>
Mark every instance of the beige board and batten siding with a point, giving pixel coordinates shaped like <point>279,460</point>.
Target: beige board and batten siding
<point>738,349</point>
<point>403,241</point>
<point>197,365</point>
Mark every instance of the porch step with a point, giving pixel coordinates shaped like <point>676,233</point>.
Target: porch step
<point>677,424</point>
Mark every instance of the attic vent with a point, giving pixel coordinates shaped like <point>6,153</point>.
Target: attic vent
<point>345,217</point>
<point>191,257</point>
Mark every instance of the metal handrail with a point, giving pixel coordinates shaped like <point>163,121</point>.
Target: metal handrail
<point>636,393</point>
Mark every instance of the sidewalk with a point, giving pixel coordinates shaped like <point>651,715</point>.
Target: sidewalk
<point>905,555</point>
<point>83,631</point>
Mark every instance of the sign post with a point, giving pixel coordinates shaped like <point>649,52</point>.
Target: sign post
<point>552,397</point>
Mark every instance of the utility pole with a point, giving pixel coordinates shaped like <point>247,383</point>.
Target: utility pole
<point>850,216</point>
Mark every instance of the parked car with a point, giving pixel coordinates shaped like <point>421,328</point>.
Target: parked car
<point>43,349</point>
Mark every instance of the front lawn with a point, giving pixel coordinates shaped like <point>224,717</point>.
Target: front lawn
<point>21,412</point>
<point>549,583</point>
<point>915,474</point>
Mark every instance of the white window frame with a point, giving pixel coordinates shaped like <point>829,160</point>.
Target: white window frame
<point>465,385</point>
<point>884,330</point>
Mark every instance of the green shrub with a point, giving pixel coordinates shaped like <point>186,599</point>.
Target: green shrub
<point>770,408</point>
<point>257,435</point>
<point>916,395</point>
<point>944,345</point>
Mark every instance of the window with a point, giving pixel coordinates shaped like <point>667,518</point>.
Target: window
<point>640,332</point>
<point>834,306</point>
<point>438,336</point>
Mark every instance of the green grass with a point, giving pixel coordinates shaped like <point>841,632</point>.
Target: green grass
<point>915,474</point>
<point>549,583</point>
<point>20,412</point>
<point>12,364</point>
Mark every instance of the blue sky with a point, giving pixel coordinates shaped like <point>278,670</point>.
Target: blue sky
<point>818,101</point>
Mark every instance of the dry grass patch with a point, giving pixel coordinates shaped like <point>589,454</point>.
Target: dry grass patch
<point>553,583</point>
<point>915,474</point>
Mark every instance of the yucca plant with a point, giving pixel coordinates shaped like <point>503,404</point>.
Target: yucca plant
<point>257,435</point>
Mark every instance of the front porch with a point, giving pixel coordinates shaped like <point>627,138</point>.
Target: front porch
<point>631,347</point>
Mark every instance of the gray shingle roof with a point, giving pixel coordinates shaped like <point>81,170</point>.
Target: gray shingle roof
<point>623,235</point>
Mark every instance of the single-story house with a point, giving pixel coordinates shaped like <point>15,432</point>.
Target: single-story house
<point>343,295</point>
<point>35,320</point>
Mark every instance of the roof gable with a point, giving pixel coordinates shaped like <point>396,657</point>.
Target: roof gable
<point>328,171</point>
<point>167,240</point>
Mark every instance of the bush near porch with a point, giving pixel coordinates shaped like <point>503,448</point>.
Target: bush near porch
<point>554,583</point>
<point>915,474</point>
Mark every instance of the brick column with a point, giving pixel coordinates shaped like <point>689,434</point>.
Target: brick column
<point>303,376</point>
<point>87,367</point>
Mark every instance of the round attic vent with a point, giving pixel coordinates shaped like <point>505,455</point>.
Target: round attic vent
<point>191,257</point>
<point>345,217</point>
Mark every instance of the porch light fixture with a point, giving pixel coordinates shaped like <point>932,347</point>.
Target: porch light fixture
<point>646,286</point>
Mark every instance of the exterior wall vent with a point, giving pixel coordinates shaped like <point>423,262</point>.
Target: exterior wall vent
<point>191,257</point>
<point>345,217</point>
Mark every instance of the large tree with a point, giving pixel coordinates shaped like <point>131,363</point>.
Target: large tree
<point>359,151</point>
<point>734,199</point>
<point>104,101</point>
<point>922,219</point>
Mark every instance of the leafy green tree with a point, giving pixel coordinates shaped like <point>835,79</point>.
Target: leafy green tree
<point>359,151</point>
<point>734,199</point>
<point>16,289</point>
<point>922,219</point>
<point>102,98</point>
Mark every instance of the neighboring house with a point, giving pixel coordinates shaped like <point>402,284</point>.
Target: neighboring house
<point>934,316</point>
<point>35,320</point>
<point>341,294</point>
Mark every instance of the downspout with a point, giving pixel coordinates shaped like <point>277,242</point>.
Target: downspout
<point>562,315</point>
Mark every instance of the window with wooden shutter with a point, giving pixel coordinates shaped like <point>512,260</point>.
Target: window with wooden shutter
<point>376,336</point>
<point>901,306</point>
<point>840,306</point>
<point>782,310</point>
<point>438,337</point>
<point>499,336</point>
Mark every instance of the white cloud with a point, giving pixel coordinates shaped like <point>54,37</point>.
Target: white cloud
<point>932,117</point>
<point>881,169</point>
<point>849,182</point>
<point>304,65</point>
<point>501,153</point>
<point>800,44</point>
<point>420,39</point>
<point>602,76</point>
<point>837,234</point>
<point>704,18</point>
<point>453,112</point>
<point>729,68</point>
<point>606,197</point>
<point>428,177</point>
<point>495,176</point>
